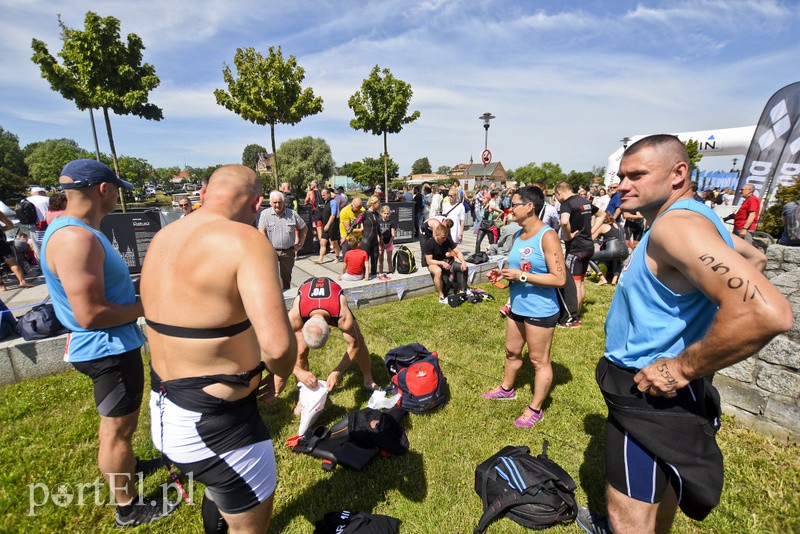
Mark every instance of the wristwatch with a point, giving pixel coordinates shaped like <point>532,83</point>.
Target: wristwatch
<point>523,278</point>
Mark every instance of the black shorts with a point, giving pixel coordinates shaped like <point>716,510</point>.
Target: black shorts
<point>333,233</point>
<point>543,322</point>
<point>634,231</point>
<point>118,382</point>
<point>577,263</point>
<point>6,252</point>
<point>316,218</point>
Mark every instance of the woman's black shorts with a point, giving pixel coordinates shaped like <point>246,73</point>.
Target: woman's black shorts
<point>544,322</point>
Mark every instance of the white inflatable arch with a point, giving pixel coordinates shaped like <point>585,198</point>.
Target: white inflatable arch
<point>722,142</point>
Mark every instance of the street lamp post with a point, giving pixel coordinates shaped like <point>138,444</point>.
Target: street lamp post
<point>625,140</point>
<point>486,117</point>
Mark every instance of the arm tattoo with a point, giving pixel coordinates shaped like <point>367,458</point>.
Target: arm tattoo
<point>559,267</point>
<point>734,282</point>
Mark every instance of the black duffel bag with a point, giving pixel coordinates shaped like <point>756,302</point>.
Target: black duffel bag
<point>39,323</point>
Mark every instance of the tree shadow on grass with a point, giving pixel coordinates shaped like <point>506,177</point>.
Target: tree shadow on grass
<point>345,489</point>
<point>592,471</point>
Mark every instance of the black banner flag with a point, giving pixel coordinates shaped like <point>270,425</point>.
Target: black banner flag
<point>774,152</point>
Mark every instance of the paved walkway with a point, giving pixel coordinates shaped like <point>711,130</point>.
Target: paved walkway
<point>305,267</point>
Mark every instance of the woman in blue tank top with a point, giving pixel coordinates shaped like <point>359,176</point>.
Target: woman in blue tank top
<point>535,269</point>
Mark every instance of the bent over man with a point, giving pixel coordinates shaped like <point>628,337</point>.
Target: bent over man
<point>215,315</point>
<point>320,304</point>
<point>94,298</point>
<point>691,301</point>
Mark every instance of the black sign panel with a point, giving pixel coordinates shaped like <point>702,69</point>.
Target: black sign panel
<point>403,215</point>
<point>130,233</point>
<point>311,245</point>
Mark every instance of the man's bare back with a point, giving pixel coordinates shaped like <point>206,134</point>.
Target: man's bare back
<point>214,270</point>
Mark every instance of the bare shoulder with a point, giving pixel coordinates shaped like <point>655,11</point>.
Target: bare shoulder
<point>679,233</point>
<point>550,238</point>
<point>72,239</point>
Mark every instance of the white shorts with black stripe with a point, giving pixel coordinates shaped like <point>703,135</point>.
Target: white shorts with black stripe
<point>228,448</point>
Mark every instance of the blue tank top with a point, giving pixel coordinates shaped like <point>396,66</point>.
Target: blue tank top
<point>85,345</point>
<point>646,320</point>
<point>527,299</point>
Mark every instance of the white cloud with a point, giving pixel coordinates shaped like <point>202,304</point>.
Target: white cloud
<point>181,103</point>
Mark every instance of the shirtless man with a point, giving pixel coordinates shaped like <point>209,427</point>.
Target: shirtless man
<point>320,304</point>
<point>692,300</point>
<point>213,304</point>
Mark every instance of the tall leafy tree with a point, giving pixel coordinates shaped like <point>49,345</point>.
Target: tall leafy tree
<point>306,159</point>
<point>250,155</point>
<point>45,159</point>
<point>198,174</point>
<point>421,166</point>
<point>13,169</point>
<point>136,170</point>
<point>11,185</point>
<point>548,172</point>
<point>164,174</point>
<point>12,158</point>
<point>369,172</point>
<point>267,90</point>
<point>380,108</point>
<point>100,71</point>
<point>579,178</point>
<point>443,169</point>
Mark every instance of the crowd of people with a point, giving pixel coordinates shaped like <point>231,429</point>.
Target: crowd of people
<point>208,370</point>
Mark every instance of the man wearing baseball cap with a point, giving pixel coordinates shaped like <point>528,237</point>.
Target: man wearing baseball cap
<point>94,298</point>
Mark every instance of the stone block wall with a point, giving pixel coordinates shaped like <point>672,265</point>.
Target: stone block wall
<point>763,391</point>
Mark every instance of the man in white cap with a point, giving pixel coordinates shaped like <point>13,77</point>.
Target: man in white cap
<point>94,298</point>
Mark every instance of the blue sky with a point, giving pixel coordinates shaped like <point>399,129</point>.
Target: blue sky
<point>566,80</point>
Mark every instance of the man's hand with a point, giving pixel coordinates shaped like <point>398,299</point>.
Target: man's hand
<point>446,266</point>
<point>333,380</point>
<point>662,378</point>
<point>463,265</point>
<point>308,378</point>
<point>266,390</point>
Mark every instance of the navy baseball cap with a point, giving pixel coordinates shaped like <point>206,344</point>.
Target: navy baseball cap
<point>89,172</point>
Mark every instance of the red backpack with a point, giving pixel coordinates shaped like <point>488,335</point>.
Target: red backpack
<point>422,384</point>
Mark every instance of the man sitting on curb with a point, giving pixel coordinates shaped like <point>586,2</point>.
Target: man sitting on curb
<point>439,254</point>
<point>321,304</point>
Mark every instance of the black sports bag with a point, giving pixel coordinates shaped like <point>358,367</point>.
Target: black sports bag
<point>533,491</point>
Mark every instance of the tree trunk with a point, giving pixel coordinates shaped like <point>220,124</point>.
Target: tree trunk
<point>275,155</point>
<point>385,168</point>
<point>114,157</point>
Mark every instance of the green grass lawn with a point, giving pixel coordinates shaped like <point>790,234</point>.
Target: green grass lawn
<point>49,437</point>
